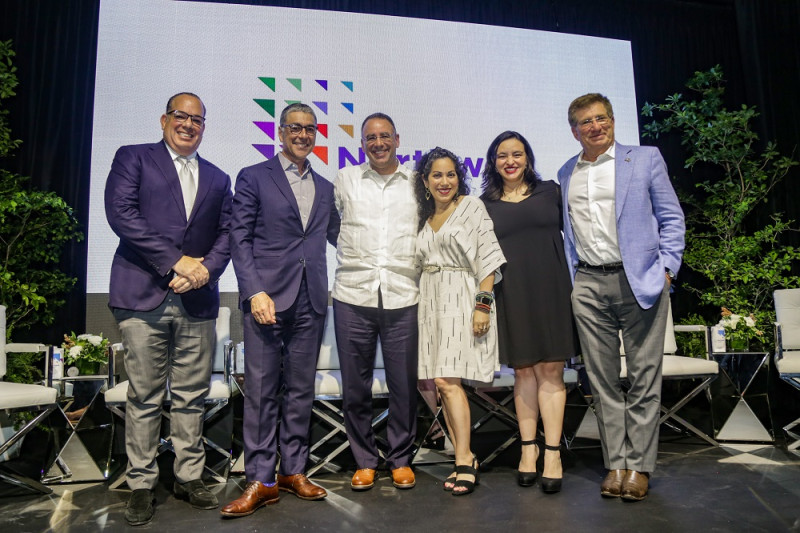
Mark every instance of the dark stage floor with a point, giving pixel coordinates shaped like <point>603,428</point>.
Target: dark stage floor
<point>696,488</point>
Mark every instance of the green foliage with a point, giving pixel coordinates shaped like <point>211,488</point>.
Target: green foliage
<point>740,266</point>
<point>24,367</point>
<point>34,227</point>
<point>691,343</point>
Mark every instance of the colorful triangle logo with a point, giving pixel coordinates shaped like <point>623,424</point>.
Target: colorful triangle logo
<point>267,150</point>
<point>269,82</point>
<point>297,82</point>
<point>348,105</point>
<point>322,153</point>
<point>266,127</point>
<point>323,84</point>
<point>348,129</point>
<point>323,129</point>
<point>266,105</point>
<point>323,106</point>
<point>348,84</point>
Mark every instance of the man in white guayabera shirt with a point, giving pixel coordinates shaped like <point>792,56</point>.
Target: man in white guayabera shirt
<point>375,296</point>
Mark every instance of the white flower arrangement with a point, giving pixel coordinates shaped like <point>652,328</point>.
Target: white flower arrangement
<point>86,352</point>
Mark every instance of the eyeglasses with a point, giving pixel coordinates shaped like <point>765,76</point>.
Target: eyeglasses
<point>180,116</point>
<point>296,129</point>
<point>384,137</point>
<point>601,120</point>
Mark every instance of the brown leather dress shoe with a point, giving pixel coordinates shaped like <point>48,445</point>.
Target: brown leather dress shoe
<point>363,479</point>
<point>255,495</point>
<point>634,486</point>
<point>612,484</point>
<point>403,478</point>
<point>300,486</point>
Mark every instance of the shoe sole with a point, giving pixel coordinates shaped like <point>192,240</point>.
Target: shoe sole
<point>139,523</point>
<point>404,486</point>
<point>359,488</point>
<point>632,498</point>
<point>306,498</point>
<point>251,511</point>
<point>609,494</point>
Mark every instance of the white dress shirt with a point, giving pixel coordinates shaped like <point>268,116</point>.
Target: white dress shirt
<point>592,209</point>
<point>377,239</point>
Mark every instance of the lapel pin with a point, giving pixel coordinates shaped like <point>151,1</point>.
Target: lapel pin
<point>627,159</point>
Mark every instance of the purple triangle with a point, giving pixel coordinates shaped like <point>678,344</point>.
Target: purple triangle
<point>323,84</point>
<point>267,150</point>
<point>266,127</point>
<point>323,106</point>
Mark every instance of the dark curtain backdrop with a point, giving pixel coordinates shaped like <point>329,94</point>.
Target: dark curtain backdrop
<point>757,44</point>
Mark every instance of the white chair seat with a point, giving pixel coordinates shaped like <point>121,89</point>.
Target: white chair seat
<point>16,395</point>
<point>219,390</point>
<point>789,363</point>
<point>679,366</point>
<point>328,383</point>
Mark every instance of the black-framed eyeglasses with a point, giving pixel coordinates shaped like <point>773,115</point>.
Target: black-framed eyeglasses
<point>601,120</point>
<point>296,129</point>
<point>180,116</point>
<point>372,139</point>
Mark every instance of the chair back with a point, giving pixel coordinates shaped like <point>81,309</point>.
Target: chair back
<point>2,341</point>
<point>787,314</point>
<point>670,344</point>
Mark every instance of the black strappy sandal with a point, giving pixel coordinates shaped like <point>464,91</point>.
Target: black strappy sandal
<point>468,485</point>
<point>527,479</point>
<point>551,485</point>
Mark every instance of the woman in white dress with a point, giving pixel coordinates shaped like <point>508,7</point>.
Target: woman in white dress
<point>458,253</point>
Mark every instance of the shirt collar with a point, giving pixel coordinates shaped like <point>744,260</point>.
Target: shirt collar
<point>402,170</point>
<point>175,155</point>
<point>289,166</point>
<point>608,154</point>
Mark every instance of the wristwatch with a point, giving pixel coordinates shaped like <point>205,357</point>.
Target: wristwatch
<point>670,273</point>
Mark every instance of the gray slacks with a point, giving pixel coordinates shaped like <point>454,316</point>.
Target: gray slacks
<point>604,305</point>
<point>165,347</point>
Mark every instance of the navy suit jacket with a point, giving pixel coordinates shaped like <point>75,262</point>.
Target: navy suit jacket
<point>144,207</point>
<point>650,225</point>
<point>269,247</point>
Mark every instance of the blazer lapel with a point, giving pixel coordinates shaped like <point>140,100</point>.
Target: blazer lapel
<point>278,175</point>
<point>623,169</point>
<point>161,157</point>
<point>204,179</point>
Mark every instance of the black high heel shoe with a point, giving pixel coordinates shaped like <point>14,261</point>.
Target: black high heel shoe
<point>468,485</point>
<point>551,485</point>
<point>527,479</point>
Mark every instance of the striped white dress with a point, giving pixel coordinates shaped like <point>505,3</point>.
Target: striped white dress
<point>454,260</point>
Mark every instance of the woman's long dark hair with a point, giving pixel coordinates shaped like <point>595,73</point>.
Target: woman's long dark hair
<point>426,206</point>
<point>493,181</point>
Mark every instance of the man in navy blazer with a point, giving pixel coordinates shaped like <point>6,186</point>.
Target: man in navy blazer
<point>283,215</point>
<point>171,210</point>
<point>624,238</point>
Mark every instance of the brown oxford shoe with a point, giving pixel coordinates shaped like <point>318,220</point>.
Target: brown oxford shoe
<point>300,486</point>
<point>403,478</point>
<point>363,479</point>
<point>634,486</point>
<point>612,484</point>
<point>255,495</point>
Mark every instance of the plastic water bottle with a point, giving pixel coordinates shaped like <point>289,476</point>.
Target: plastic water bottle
<point>718,338</point>
<point>58,364</point>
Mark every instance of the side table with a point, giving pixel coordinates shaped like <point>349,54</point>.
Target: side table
<point>741,404</point>
<point>86,448</point>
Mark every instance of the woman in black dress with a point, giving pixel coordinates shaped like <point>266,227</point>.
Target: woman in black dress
<point>535,325</point>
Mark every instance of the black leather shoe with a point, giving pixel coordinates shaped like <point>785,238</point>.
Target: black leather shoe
<point>551,485</point>
<point>196,493</point>
<point>140,507</point>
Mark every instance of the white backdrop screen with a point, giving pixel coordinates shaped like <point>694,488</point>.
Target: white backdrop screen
<point>447,84</point>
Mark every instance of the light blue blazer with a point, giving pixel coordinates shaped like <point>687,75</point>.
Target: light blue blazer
<point>650,225</point>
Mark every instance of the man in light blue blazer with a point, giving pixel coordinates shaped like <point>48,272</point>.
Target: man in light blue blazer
<point>624,238</point>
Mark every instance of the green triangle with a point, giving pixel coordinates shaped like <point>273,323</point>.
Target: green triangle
<point>267,105</point>
<point>297,82</point>
<point>269,82</point>
<point>290,102</point>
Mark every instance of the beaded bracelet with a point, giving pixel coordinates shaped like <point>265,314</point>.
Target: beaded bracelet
<point>484,301</point>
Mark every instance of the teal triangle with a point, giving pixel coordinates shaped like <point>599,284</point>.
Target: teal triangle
<point>297,82</point>
<point>348,84</point>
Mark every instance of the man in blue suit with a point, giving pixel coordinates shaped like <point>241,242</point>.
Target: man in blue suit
<point>624,238</point>
<point>283,215</point>
<point>170,209</point>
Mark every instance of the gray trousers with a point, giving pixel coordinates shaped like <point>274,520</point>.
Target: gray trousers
<point>165,346</point>
<point>604,305</point>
